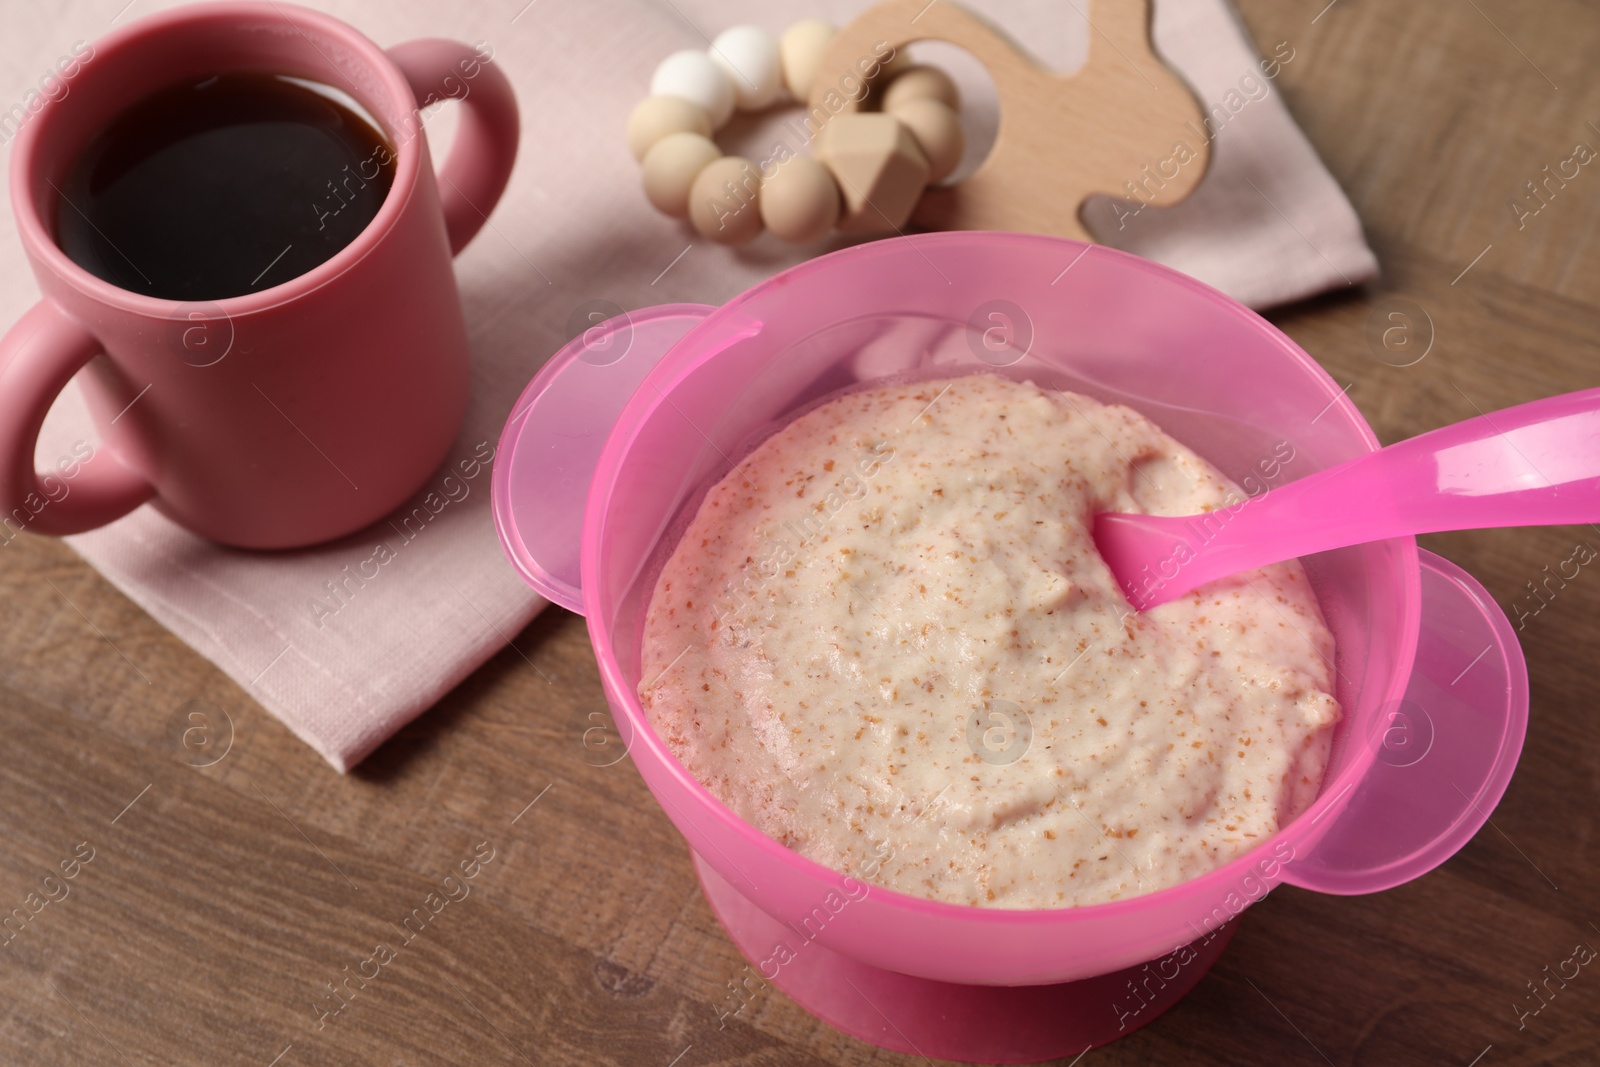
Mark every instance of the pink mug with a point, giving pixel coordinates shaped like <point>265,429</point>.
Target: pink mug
<point>283,417</point>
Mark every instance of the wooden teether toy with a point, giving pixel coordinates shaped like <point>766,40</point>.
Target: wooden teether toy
<point>867,170</point>
<point>1123,124</point>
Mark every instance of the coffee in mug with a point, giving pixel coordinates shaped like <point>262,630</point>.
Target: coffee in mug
<point>221,186</point>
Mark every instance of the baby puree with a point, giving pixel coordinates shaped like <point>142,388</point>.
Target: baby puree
<point>886,639</point>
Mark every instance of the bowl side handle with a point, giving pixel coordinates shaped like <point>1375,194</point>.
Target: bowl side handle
<point>1444,752</point>
<point>551,443</point>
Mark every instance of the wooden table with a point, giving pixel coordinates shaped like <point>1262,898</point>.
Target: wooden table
<point>220,900</point>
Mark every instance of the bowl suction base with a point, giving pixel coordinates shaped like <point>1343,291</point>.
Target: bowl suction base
<point>943,1020</point>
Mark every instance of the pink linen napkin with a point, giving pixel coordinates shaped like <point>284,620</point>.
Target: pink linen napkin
<point>347,642</point>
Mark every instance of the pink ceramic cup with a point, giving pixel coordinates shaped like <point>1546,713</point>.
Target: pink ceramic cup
<point>286,416</point>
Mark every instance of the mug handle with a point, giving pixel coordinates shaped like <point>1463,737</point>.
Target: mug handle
<point>472,179</point>
<point>38,357</point>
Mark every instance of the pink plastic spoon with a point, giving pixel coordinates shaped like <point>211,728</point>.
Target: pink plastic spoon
<point>1537,464</point>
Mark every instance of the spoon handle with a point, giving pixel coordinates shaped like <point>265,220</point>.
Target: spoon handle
<point>1536,464</point>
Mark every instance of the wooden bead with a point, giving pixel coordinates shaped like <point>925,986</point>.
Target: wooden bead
<point>670,168</point>
<point>898,64</point>
<point>938,132</point>
<point>657,116</point>
<point>800,50</point>
<point>800,203</point>
<point>694,77</point>
<point>930,82</point>
<point>880,169</point>
<point>750,56</point>
<point>724,202</point>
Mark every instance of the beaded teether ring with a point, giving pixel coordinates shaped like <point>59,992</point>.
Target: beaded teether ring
<point>869,167</point>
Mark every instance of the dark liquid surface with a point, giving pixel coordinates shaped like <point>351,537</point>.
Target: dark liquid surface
<point>222,187</point>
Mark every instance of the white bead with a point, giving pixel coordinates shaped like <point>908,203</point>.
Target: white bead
<point>694,77</point>
<point>749,54</point>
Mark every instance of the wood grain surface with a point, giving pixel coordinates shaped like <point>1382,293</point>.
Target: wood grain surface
<point>219,901</point>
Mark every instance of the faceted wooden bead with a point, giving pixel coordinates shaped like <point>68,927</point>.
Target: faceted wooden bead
<point>938,132</point>
<point>724,202</point>
<point>919,81</point>
<point>880,169</point>
<point>670,168</point>
<point>657,116</point>
<point>800,203</point>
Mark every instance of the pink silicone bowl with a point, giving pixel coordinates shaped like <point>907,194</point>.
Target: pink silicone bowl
<point>607,450</point>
